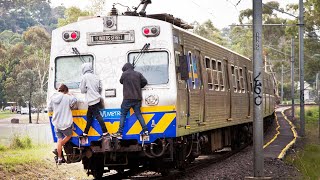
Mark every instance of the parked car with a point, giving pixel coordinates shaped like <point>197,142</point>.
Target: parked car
<point>8,108</point>
<point>24,110</point>
<point>18,110</point>
<point>34,110</point>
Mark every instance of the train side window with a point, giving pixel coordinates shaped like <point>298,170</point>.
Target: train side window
<point>238,80</point>
<point>192,70</point>
<point>250,80</point>
<point>241,80</point>
<point>220,75</point>
<point>215,75</point>
<point>234,80</point>
<point>177,54</point>
<point>209,73</point>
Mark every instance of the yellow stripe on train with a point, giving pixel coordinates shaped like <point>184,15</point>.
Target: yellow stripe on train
<point>163,124</point>
<point>136,128</point>
<point>82,112</point>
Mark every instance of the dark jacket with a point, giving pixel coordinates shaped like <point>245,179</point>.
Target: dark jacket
<point>132,82</point>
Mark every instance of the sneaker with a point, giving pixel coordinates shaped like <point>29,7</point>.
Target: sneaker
<point>84,135</point>
<point>55,152</point>
<point>60,161</point>
<point>146,133</point>
<point>105,134</point>
<point>117,135</point>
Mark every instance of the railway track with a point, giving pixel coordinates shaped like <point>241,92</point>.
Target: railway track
<point>199,163</point>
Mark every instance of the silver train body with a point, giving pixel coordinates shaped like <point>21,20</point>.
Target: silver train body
<point>199,96</point>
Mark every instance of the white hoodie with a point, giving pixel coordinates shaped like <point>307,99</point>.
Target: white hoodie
<point>90,84</point>
<point>61,104</point>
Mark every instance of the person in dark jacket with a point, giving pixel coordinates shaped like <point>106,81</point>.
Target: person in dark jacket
<point>132,82</point>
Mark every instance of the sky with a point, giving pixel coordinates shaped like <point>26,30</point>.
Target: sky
<point>221,12</point>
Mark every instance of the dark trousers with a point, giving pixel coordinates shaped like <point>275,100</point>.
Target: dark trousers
<point>93,112</point>
<point>125,107</point>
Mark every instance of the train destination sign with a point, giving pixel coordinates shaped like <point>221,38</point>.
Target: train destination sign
<point>99,38</point>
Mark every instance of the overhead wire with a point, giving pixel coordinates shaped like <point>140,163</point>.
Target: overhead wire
<point>206,9</point>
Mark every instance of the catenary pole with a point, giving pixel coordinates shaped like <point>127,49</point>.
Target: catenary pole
<point>258,87</point>
<point>318,93</point>
<point>292,78</point>
<point>282,82</point>
<point>301,62</point>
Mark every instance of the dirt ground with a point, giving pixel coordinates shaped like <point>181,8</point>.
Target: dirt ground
<point>47,169</point>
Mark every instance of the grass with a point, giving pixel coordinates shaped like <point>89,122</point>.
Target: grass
<point>307,160</point>
<point>23,160</point>
<point>4,114</point>
<point>21,151</point>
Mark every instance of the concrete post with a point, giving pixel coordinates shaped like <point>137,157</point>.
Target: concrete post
<point>258,89</point>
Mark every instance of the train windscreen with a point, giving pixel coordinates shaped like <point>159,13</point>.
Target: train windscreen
<point>153,65</point>
<point>68,70</point>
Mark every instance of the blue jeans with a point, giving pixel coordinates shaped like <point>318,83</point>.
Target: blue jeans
<point>125,107</point>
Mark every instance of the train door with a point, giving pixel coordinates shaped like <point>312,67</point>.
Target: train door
<point>228,89</point>
<point>183,100</point>
<point>195,89</point>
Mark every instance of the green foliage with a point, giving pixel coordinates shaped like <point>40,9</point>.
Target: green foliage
<point>10,158</point>
<point>4,114</point>
<point>8,37</point>
<point>71,15</point>
<point>21,143</point>
<point>208,31</point>
<point>3,148</point>
<point>17,16</point>
<point>307,159</point>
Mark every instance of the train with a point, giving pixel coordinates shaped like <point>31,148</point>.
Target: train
<point>198,100</point>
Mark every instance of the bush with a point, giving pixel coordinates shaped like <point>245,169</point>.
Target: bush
<point>309,113</point>
<point>3,148</point>
<point>21,143</point>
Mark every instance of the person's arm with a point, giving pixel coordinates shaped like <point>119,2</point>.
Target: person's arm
<point>121,79</point>
<point>144,81</point>
<point>83,86</point>
<point>72,101</point>
<point>50,106</point>
<point>100,86</point>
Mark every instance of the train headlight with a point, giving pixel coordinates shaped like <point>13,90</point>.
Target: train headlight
<point>151,31</point>
<point>70,36</point>
<point>152,100</point>
<point>110,23</point>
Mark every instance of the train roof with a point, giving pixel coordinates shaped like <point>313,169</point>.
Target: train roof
<point>216,44</point>
<point>171,19</point>
<point>184,26</point>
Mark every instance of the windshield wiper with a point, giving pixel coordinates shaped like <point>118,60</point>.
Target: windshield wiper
<point>75,51</point>
<point>142,51</point>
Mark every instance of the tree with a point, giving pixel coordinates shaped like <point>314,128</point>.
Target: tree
<point>27,86</point>
<point>97,7</point>
<point>71,15</point>
<point>10,56</point>
<point>19,15</point>
<point>38,41</point>
<point>207,30</point>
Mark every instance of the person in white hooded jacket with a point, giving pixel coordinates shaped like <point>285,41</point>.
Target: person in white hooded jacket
<point>91,86</point>
<point>60,104</point>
